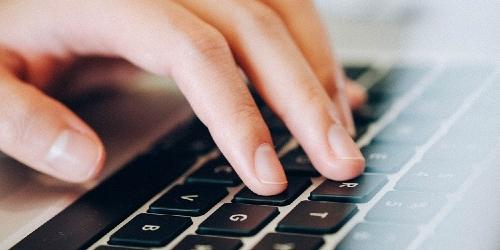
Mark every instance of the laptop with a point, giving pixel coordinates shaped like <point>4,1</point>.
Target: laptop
<point>430,132</point>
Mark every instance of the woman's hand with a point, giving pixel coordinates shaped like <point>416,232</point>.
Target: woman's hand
<point>280,45</point>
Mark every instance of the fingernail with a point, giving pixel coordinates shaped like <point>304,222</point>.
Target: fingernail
<point>268,167</point>
<point>74,155</point>
<point>342,145</point>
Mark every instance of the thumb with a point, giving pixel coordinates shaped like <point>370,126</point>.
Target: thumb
<point>44,134</point>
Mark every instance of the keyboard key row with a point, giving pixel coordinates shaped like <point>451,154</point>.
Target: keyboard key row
<point>309,217</point>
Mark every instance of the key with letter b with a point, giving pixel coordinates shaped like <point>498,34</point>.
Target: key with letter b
<point>150,230</point>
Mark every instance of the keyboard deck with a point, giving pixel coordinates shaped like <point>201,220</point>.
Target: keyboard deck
<point>418,131</point>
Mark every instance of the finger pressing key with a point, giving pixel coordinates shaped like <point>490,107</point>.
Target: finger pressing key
<point>265,50</point>
<point>304,25</point>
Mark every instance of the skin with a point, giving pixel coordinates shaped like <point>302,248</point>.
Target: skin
<point>280,45</point>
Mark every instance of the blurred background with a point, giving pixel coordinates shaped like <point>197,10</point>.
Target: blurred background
<point>457,28</point>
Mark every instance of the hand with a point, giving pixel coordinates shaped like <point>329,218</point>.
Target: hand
<point>280,45</point>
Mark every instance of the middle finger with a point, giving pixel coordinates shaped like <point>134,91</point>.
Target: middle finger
<point>282,76</point>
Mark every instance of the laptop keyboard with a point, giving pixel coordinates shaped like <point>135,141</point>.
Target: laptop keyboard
<point>408,134</point>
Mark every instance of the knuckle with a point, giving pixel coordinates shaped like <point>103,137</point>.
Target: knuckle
<point>206,43</point>
<point>246,113</point>
<point>328,78</point>
<point>313,95</point>
<point>325,75</point>
<point>19,117</point>
<point>262,19</point>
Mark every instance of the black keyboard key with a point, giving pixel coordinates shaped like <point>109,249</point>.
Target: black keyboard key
<point>296,162</point>
<point>274,123</point>
<point>406,208</point>
<point>190,200</point>
<point>360,130</point>
<point>278,241</point>
<point>217,171</point>
<point>200,145</point>
<point>280,139</point>
<point>355,71</point>
<point>150,230</point>
<point>257,98</point>
<point>113,248</point>
<point>458,149</point>
<point>434,176</point>
<point>314,217</point>
<point>196,143</point>
<point>237,219</point>
<point>378,237</point>
<point>398,80</point>
<point>361,189</point>
<point>199,242</point>
<point>386,157</point>
<point>296,186</point>
<point>408,131</point>
<point>370,112</point>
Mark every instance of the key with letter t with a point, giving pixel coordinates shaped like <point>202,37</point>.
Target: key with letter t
<point>317,217</point>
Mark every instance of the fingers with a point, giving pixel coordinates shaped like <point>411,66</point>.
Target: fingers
<point>304,24</point>
<point>164,38</point>
<point>43,134</point>
<point>175,42</point>
<point>282,76</point>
